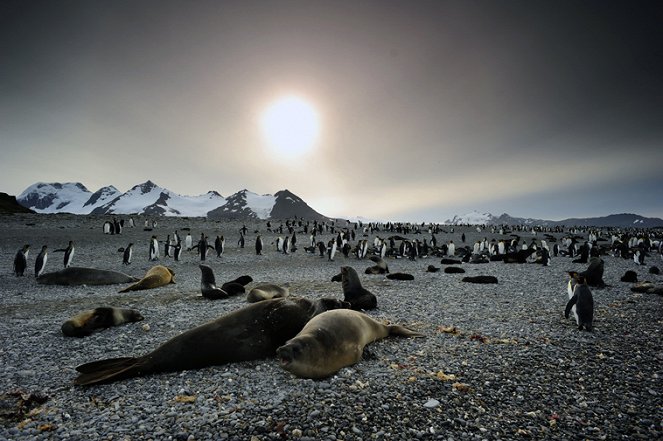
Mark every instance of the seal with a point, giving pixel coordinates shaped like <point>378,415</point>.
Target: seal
<point>333,340</point>
<point>400,276</point>
<point>358,296</point>
<point>453,270</point>
<point>74,275</point>
<point>249,333</point>
<point>155,277</point>
<point>266,291</point>
<point>380,266</point>
<point>432,269</point>
<point>594,273</point>
<point>630,276</point>
<point>480,279</point>
<point>208,284</point>
<point>86,322</point>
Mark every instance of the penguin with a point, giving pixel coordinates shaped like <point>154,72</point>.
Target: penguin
<point>40,263</point>
<point>258,245</point>
<point>286,245</point>
<point>219,245</point>
<point>21,260</point>
<point>203,246</point>
<point>581,298</point>
<point>331,250</point>
<point>241,240</point>
<point>126,256</point>
<point>107,227</point>
<point>154,249</point>
<point>177,251</point>
<point>68,254</point>
<point>166,247</point>
<point>188,242</point>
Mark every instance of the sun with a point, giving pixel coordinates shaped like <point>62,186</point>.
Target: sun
<point>290,126</point>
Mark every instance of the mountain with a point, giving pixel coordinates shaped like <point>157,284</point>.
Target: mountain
<point>8,204</point>
<point>150,199</point>
<point>245,205</point>
<point>614,220</point>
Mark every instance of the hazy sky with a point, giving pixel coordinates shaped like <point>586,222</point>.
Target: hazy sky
<point>426,109</point>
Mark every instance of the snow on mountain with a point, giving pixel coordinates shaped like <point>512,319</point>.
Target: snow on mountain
<point>149,198</point>
<point>69,197</point>
<point>472,218</point>
<point>101,197</point>
<point>245,205</point>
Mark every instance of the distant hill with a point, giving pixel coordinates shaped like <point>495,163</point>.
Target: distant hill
<point>614,220</point>
<point>8,204</point>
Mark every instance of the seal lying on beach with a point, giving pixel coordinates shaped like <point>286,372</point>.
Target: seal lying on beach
<point>84,276</point>
<point>249,333</point>
<point>266,291</point>
<point>86,322</point>
<point>333,340</point>
<point>155,277</point>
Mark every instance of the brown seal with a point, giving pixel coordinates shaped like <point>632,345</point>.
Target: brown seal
<point>266,291</point>
<point>357,295</point>
<point>86,322</point>
<point>155,277</point>
<point>249,333</point>
<point>84,276</point>
<point>333,340</point>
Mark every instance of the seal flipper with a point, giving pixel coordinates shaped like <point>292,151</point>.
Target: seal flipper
<point>112,369</point>
<point>402,330</point>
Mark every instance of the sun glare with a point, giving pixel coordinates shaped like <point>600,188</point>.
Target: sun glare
<point>290,126</point>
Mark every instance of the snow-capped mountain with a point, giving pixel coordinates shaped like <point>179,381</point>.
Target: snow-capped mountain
<point>472,218</point>
<point>282,205</point>
<point>150,199</point>
<point>613,220</point>
<point>70,197</point>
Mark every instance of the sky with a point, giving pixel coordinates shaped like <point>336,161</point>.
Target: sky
<point>424,109</point>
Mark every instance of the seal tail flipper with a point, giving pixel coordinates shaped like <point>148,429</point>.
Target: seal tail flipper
<point>133,287</point>
<point>401,330</point>
<point>105,371</point>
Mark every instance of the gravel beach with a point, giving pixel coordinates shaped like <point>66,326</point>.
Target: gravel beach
<point>497,361</point>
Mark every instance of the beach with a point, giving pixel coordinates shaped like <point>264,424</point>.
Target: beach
<point>498,361</point>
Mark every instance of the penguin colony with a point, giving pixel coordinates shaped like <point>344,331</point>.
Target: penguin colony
<point>391,242</point>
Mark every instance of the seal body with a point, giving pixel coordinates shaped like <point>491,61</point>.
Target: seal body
<point>208,284</point>
<point>155,277</point>
<point>87,322</point>
<point>359,297</point>
<point>333,340</point>
<point>266,291</point>
<point>84,276</point>
<point>480,279</point>
<point>249,333</point>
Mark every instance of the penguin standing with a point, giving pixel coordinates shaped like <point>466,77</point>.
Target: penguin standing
<point>126,256</point>
<point>219,245</point>
<point>154,249</point>
<point>68,254</point>
<point>258,245</point>
<point>177,251</point>
<point>40,263</point>
<point>202,246</point>
<point>582,300</point>
<point>166,247</point>
<point>188,242</point>
<point>21,260</point>
<point>241,240</point>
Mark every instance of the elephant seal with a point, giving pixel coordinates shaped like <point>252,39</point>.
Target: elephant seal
<point>266,291</point>
<point>480,279</point>
<point>84,276</point>
<point>333,340</point>
<point>249,333</point>
<point>86,322</point>
<point>208,284</point>
<point>155,277</point>
<point>353,292</point>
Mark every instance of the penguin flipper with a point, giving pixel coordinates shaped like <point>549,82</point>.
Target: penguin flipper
<point>572,301</point>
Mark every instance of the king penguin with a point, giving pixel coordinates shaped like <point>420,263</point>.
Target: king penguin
<point>21,260</point>
<point>68,254</point>
<point>154,248</point>
<point>40,263</point>
<point>126,256</point>
<point>258,245</point>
